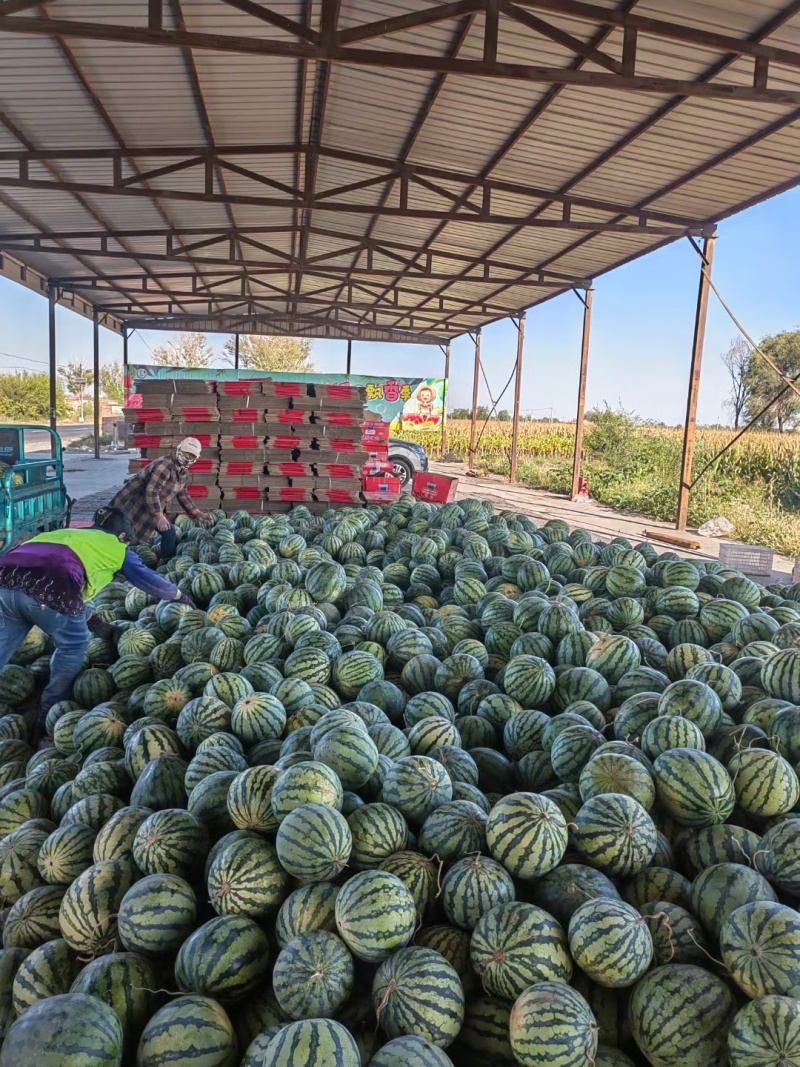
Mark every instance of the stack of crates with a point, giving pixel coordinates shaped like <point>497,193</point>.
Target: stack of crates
<point>314,444</point>
<point>241,445</point>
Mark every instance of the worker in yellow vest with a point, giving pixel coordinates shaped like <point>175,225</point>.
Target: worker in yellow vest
<point>46,581</point>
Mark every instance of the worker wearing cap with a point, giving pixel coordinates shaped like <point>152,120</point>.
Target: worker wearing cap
<point>152,492</point>
<point>46,581</point>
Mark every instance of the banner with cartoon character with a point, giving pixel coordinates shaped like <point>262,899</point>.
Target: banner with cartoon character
<point>418,402</point>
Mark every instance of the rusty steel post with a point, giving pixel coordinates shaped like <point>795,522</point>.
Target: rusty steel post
<point>51,322</point>
<point>517,390</point>
<point>586,300</point>
<point>690,425</point>
<point>473,430</point>
<point>444,398</point>
<point>349,356</point>
<point>236,351</point>
<point>96,382</point>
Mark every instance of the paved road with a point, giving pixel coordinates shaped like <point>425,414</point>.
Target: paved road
<point>40,439</point>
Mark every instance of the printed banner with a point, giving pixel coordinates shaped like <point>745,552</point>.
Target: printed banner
<point>419,402</point>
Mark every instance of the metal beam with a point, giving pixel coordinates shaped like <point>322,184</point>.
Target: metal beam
<point>444,398</point>
<point>690,424</point>
<point>473,428</point>
<point>517,396</point>
<point>124,352</point>
<point>288,326</point>
<point>586,300</point>
<point>51,349</point>
<point>397,60</point>
<point>349,355</point>
<point>236,351</point>
<point>96,382</point>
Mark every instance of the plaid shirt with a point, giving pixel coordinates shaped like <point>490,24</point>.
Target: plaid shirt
<point>151,491</point>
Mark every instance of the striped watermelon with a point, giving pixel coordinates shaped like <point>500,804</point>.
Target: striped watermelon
<point>313,1043</point>
<point>309,908</point>
<point>416,991</point>
<point>203,964</point>
<point>258,717</point>
<point>375,915</point>
<point>246,878</point>
<point>614,833</point>
<point>157,914</point>
<point>693,787</point>
<point>722,844</point>
<point>115,840</point>
<point>419,875</point>
<point>416,786</point>
<point>34,918</point>
<point>453,830</point>
<point>765,783</point>
<point>307,782</point>
<point>677,935</point>
<point>314,843</point>
<point>172,841</point>
<point>350,753</point>
<point>89,1034</point>
<point>758,942</point>
<point>189,1031</point>
<point>378,831</point>
<point>515,945</point>
<point>680,1015</point>
<point>766,1033</point>
<point>723,888</point>
<point>527,834</point>
<point>88,914</point>
<point>472,887</point>
<point>610,942</point>
<point>529,680</point>
<point>124,980</point>
<point>66,853</point>
<point>249,799</point>
<point>563,890</point>
<point>410,1051</point>
<point>48,971</point>
<point>19,852</point>
<point>313,975</point>
<point>551,1023</point>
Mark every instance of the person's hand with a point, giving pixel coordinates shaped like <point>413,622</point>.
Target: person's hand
<point>162,522</point>
<point>100,628</point>
<point>205,518</point>
<point>184,598</point>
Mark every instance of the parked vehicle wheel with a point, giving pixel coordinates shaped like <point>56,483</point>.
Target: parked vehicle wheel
<point>402,469</point>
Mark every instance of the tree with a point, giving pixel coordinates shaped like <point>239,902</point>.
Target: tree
<point>27,396</point>
<point>737,363</point>
<point>76,378</point>
<point>286,355</point>
<point>763,384</point>
<point>460,413</point>
<point>112,382</point>
<point>186,350</point>
<point>503,416</point>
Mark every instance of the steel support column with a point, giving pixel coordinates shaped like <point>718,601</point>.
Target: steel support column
<point>517,391</point>
<point>690,425</point>
<point>51,322</point>
<point>96,382</point>
<point>586,300</point>
<point>473,430</point>
<point>236,351</point>
<point>444,399</point>
<point>349,356</point>
<point>124,352</point>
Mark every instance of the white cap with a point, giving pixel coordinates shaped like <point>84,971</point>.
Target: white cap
<point>191,446</point>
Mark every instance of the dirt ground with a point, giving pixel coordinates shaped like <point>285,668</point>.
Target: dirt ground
<point>600,520</point>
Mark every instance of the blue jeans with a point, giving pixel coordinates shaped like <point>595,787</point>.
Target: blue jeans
<point>169,544</point>
<point>18,612</point>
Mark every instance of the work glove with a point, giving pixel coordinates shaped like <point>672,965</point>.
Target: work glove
<point>100,628</point>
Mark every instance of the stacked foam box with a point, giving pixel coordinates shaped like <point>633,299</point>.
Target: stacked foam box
<point>314,444</point>
<point>241,441</point>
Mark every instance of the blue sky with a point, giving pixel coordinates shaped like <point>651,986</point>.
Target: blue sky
<point>641,332</point>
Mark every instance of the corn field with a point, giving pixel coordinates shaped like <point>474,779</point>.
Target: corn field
<point>772,457</point>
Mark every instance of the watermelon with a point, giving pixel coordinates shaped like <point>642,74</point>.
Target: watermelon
<point>615,834</point>
<point>375,915</point>
<point>515,945</point>
<point>309,908</point>
<point>68,1030</point>
<point>48,971</point>
<point>766,1033</point>
<point>189,1031</point>
<point>314,843</point>
<point>758,945</point>
<point>203,964</point>
<point>313,1043</point>
<point>157,914</point>
<point>416,991</point>
<point>551,1023</point>
<point>610,942</point>
<point>313,975</point>
<point>246,878</point>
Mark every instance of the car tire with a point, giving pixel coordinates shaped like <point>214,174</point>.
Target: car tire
<point>403,470</point>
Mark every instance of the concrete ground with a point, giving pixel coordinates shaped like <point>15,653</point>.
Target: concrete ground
<point>92,482</point>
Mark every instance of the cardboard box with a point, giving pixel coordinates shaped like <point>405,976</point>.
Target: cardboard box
<point>374,468</point>
<point>236,468</point>
<point>243,492</point>
<point>379,498</point>
<point>151,440</point>
<point>375,433</point>
<point>242,387</point>
<point>192,386</point>
<point>236,441</point>
<point>435,488</point>
<point>378,484</point>
<point>194,413</point>
<point>146,414</point>
<point>203,492</point>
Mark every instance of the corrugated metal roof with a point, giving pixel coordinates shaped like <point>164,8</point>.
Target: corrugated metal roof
<point>280,167</point>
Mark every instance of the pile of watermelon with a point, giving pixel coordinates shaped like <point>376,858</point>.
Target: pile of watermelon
<point>412,786</point>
